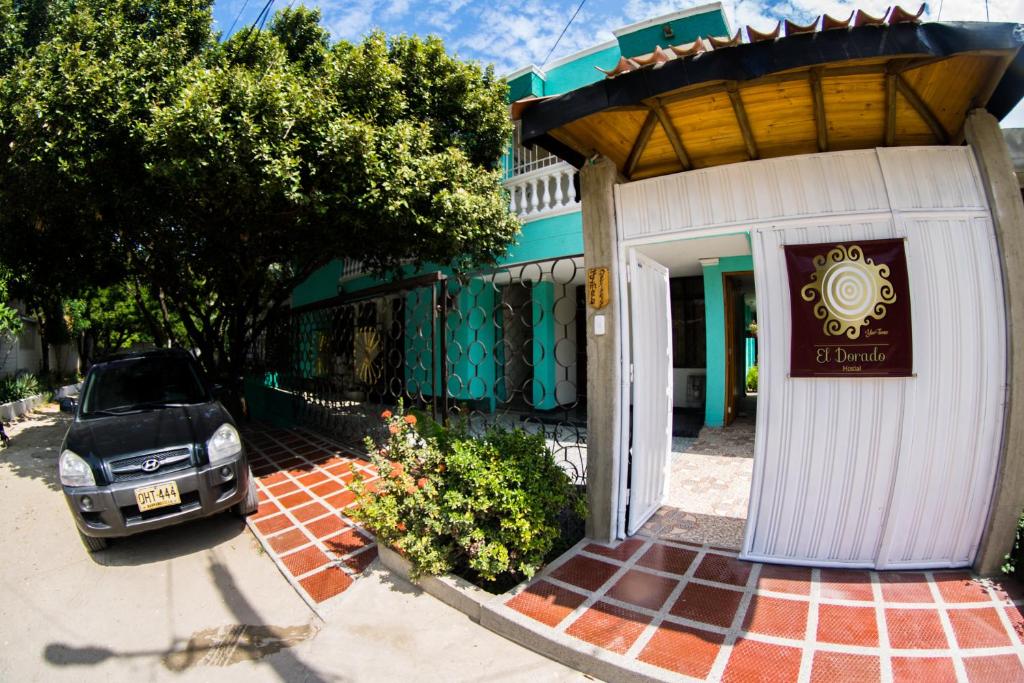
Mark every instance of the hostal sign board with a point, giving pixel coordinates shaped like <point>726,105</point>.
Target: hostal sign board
<point>851,309</point>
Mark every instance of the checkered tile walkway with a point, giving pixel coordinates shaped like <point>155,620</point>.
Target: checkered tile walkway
<point>302,522</point>
<point>676,611</point>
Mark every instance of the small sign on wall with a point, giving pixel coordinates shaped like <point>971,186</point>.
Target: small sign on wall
<point>850,305</point>
<point>598,288</point>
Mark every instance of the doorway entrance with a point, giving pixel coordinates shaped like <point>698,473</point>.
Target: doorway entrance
<point>711,325</point>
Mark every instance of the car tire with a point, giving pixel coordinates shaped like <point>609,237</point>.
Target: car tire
<point>93,544</point>
<point>251,504</point>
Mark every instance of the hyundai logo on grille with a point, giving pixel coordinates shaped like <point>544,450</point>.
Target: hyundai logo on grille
<point>150,465</point>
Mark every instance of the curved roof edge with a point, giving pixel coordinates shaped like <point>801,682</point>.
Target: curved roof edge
<point>750,61</point>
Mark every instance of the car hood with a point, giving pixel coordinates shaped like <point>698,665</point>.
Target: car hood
<point>106,437</point>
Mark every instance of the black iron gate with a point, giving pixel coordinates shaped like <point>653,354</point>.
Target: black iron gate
<point>502,346</point>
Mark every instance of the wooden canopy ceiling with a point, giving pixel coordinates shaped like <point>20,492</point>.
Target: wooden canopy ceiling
<point>905,88</point>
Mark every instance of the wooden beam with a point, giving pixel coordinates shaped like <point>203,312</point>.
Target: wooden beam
<point>890,109</point>
<point>702,91</point>
<point>820,122</point>
<point>922,109</point>
<point>640,144</point>
<point>672,134</point>
<point>742,120</point>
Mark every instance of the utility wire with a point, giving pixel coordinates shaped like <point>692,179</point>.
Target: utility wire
<point>571,19</point>
<point>264,13</point>
<point>259,16</point>
<point>237,16</point>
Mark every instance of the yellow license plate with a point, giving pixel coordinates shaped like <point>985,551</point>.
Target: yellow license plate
<point>158,496</point>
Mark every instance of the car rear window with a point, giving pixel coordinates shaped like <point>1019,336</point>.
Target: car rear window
<point>145,382</point>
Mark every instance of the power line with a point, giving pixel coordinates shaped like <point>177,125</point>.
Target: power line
<point>261,15</point>
<point>582,2</point>
<point>264,13</point>
<point>237,16</point>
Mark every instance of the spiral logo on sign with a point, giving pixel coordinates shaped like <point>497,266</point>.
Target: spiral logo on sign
<point>848,290</point>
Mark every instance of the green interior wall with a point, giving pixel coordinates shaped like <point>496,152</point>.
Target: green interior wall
<point>544,366</point>
<point>714,318</point>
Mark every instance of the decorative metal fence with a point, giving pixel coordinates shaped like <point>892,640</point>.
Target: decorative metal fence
<point>504,346</point>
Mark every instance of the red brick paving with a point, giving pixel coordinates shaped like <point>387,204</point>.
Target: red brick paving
<point>682,649</point>
<point>828,667</point>
<point>546,603</point>
<point>672,606</point>
<point>300,522</point>
<point>674,609</point>
<point>610,627</point>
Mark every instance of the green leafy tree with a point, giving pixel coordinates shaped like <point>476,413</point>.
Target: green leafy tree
<point>111,319</point>
<point>10,318</point>
<point>224,174</point>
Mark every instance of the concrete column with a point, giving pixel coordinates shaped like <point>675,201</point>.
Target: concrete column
<point>1004,199</point>
<point>597,181</point>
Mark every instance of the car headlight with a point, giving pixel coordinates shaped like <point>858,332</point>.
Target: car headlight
<point>74,471</point>
<point>224,443</point>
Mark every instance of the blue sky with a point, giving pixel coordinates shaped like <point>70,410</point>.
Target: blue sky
<point>515,34</point>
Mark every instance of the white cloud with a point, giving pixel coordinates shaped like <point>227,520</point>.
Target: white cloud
<point>349,20</point>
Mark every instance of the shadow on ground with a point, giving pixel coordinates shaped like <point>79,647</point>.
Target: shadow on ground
<point>175,541</point>
<point>249,640</point>
<point>35,445</point>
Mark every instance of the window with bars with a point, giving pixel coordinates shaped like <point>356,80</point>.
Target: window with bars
<point>523,159</point>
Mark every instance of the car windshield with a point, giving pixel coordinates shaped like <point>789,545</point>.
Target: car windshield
<point>140,383</point>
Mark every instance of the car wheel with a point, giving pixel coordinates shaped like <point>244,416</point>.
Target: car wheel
<point>251,504</point>
<point>93,544</point>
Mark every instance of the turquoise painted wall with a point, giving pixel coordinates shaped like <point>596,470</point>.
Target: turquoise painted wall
<point>322,284</point>
<point>685,30</point>
<point>470,337</point>
<point>714,320</point>
<point>580,72</point>
<point>470,341</point>
<point>525,85</point>
<point>547,238</point>
<point>544,367</point>
<point>422,363</point>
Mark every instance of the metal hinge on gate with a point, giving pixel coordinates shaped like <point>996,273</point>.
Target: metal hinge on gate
<point>631,374</point>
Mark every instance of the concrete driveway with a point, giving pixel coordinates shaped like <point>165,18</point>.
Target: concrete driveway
<point>202,600</point>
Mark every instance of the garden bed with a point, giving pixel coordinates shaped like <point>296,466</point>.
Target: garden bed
<point>467,516</point>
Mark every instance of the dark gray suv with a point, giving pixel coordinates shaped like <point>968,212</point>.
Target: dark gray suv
<point>151,446</point>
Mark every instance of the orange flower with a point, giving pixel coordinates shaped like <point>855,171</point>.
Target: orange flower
<point>401,526</point>
<point>411,419</point>
<point>421,482</point>
<point>393,429</point>
<point>386,415</point>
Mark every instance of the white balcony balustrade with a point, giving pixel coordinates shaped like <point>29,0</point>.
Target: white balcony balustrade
<point>542,193</point>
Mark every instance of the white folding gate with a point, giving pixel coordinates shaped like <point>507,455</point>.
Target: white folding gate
<point>651,327</point>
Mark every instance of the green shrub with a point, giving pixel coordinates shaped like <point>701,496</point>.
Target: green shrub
<point>1014,559</point>
<point>752,378</point>
<point>16,388</point>
<point>485,507</point>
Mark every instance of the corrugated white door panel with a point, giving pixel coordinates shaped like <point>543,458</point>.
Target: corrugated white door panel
<point>932,178</point>
<point>826,449</point>
<point>753,192</point>
<point>650,319</point>
<point>954,411</point>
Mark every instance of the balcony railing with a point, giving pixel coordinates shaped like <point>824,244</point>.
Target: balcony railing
<point>548,191</point>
